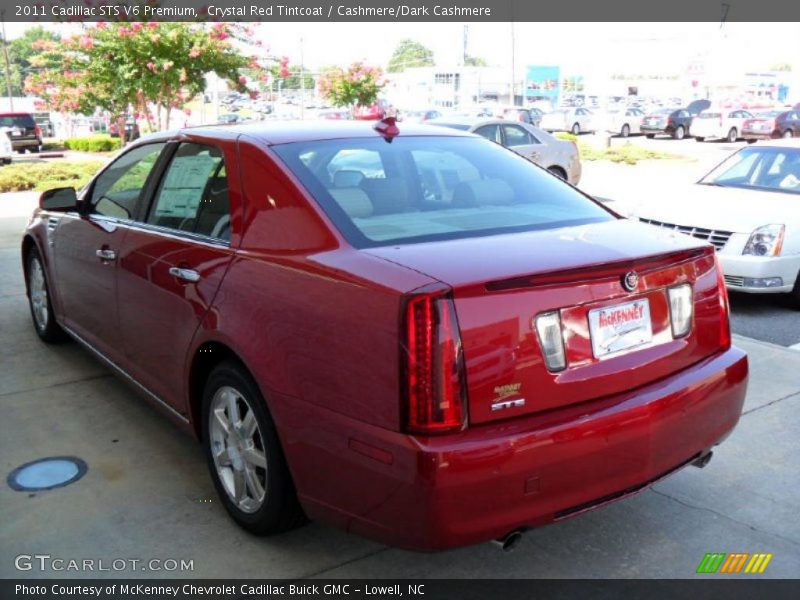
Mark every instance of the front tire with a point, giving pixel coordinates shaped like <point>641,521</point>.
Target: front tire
<point>576,129</point>
<point>626,130</point>
<point>794,295</point>
<point>649,136</point>
<point>44,320</point>
<point>700,139</point>
<point>244,454</point>
<point>733,135</point>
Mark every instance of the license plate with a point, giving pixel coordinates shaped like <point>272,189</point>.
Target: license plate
<point>621,327</point>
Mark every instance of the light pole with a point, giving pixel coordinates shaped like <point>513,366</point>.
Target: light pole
<point>8,63</point>
<point>302,83</point>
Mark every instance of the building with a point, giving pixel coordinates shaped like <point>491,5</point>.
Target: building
<point>448,87</point>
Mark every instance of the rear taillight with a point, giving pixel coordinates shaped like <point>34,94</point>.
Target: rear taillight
<point>38,131</point>
<point>724,319</point>
<point>436,390</point>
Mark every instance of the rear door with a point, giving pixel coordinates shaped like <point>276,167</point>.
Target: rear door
<point>518,139</point>
<point>173,261</point>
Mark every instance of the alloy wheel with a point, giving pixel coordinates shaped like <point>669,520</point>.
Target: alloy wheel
<point>237,447</point>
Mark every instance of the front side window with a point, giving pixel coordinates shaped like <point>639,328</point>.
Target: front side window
<point>437,188</point>
<point>117,191</point>
<point>193,194</point>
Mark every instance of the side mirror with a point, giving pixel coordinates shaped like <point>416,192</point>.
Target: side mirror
<point>59,199</point>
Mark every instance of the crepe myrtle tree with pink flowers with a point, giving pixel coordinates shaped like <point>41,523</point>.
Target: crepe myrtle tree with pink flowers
<point>356,86</point>
<point>153,67</point>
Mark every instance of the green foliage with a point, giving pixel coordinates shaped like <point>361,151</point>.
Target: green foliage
<point>46,175</point>
<point>627,153</point>
<point>95,143</point>
<point>475,61</point>
<point>20,53</point>
<point>358,85</point>
<point>116,65</point>
<point>292,81</point>
<point>410,53</point>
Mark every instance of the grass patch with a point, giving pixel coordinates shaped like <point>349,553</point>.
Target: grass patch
<point>628,153</point>
<point>43,176</point>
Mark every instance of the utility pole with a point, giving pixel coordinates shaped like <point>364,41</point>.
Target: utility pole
<point>8,63</point>
<point>513,65</point>
<point>466,40</point>
<point>302,83</point>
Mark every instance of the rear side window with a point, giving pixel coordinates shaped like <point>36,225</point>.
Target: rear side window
<point>516,136</point>
<point>435,188</point>
<point>193,194</point>
<point>25,121</point>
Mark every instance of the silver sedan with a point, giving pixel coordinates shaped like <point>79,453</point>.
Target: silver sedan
<point>560,157</point>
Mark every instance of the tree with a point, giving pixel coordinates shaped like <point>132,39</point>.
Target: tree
<point>358,85</point>
<point>410,53</point>
<point>20,52</point>
<point>292,80</point>
<point>162,65</point>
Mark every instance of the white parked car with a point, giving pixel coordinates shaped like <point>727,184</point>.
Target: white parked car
<point>575,120</point>
<point>560,157</point>
<point>624,122</point>
<point>6,150</point>
<point>720,124</point>
<point>748,207</point>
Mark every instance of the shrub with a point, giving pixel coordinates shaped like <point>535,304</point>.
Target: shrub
<point>95,143</point>
<point>42,176</point>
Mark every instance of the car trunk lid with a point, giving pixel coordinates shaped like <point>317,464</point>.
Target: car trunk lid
<point>501,283</point>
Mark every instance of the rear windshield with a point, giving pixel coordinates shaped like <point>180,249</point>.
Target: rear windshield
<point>17,121</point>
<point>430,188</point>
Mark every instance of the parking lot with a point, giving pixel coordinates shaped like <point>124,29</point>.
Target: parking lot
<point>147,493</point>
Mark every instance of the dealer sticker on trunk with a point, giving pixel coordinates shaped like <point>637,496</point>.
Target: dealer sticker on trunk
<point>621,327</point>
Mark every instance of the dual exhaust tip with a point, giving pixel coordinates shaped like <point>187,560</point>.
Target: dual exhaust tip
<point>511,540</point>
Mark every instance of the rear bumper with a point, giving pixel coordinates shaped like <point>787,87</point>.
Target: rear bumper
<point>441,492</point>
<point>767,135</point>
<point>25,143</point>
<point>648,130</point>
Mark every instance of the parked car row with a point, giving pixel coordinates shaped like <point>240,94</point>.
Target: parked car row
<point>22,130</point>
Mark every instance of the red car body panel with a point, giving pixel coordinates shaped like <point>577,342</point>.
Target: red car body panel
<point>317,323</point>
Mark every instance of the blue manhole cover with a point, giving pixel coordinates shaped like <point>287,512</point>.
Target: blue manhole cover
<point>47,473</point>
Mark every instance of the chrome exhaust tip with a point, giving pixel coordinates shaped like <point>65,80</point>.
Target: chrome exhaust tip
<point>508,542</point>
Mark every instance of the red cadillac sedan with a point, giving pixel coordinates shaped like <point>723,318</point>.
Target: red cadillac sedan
<point>413,334</point>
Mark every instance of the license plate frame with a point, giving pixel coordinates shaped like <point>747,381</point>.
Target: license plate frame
<point>619,328</point>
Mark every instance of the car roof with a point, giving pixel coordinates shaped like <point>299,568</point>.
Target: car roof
<point>284,132</point>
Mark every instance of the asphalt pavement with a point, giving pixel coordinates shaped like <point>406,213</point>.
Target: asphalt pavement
<point>147,493</point>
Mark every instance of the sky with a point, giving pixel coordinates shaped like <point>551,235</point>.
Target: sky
<point>579,47</point>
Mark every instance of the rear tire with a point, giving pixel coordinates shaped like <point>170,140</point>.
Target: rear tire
<point>576,129</point>
<point>625,131</point>
<point>558,172</point>
<point>244,454</point>
<point>680,133</point>
<point>788,133</point>
<point>649,136</point>
<point>44,320</point>
<point>794,295</point>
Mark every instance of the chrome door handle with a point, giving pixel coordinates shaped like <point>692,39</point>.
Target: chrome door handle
<point>189,275</point>
<point>105,254</point>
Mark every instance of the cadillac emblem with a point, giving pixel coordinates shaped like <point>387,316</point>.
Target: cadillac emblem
<point>630,280</point>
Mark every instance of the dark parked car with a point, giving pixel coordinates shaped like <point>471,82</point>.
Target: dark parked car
<point>772,124</point>
<point>25,134</point>
<point>430,342</point>
<point>675,122</point>
<point>131,130</point>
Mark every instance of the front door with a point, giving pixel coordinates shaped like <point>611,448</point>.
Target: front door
<point>86,249</point>
<point>522,142</point>
<point>171,265</point>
